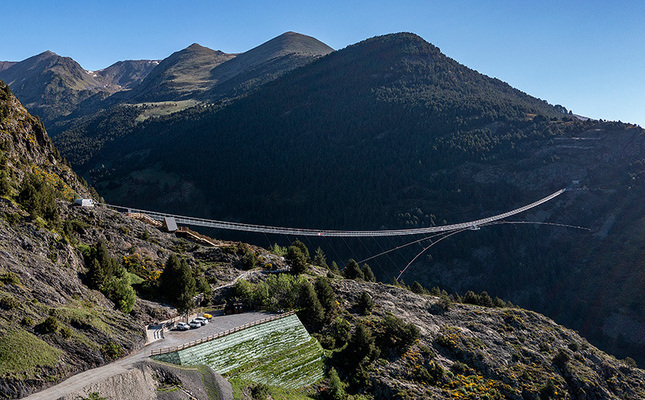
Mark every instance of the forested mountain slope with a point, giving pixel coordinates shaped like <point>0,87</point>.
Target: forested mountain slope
<point>392,133</point>
<point>72,278</point>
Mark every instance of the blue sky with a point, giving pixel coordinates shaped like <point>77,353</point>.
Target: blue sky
<point>587,55</point>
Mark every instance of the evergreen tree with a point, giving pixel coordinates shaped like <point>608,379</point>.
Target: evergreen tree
<point>333,268</point>
<point>95,276</point>
<point>485,299</point>
<point>168,277</point>
<point>325,294</point>
<point>353,271</point>
<point>365,303</point>
<point>177,283</point>
<point>296,259</point>
<point>360,348</point>
<point>335,391</point>
<point>368,274</point>
<point>311,312</point>
<point>186,288</point>
<point>303,248</point>
<point>5,184</point>
<point>320,259</point>
<point>417,288</point>
<point>38,198</point>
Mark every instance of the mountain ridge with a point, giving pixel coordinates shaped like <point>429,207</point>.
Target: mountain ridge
<point>396,344</point>
<point>390,133</point>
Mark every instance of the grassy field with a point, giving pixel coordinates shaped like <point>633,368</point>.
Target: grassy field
<point>163,108</point>
<point>22,352</point>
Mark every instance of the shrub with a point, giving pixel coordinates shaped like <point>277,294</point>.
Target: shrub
<point>365,303</point>
<point>630,362</point>
<point>394,334</point>
<point>248,258</point>
<point>8,303</point>
<point>112,350</point>
<point>49,325</point>
<point>66,332</point>
<point>260,391</point>
<point>459,368</point>
<point>561,359</point>
<point>10,278</point>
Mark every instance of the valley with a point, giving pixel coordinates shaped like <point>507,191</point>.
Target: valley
<point>386,135</point>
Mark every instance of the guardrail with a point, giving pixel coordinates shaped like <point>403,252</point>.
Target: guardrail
<point>165,350</point>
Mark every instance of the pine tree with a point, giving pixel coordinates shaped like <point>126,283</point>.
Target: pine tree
<point>335,391</point>
<point>312,311</point>
<point>353,271</point>
<point>296,259</point>
<point>303,248</point>
<point>368,273</point>
<point>333,268</point>
<point>325,294</point>
<point>320,259</point>
<point>365,303</point>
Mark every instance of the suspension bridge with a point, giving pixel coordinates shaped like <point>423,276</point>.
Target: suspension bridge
<point>237,226</point>
<point>434,234</point>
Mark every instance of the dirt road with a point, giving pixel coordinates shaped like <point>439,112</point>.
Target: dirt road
<point>77,382</point>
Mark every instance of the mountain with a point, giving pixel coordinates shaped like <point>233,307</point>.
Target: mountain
<point>391,133</point>
<point>57,318</point>
<point>126,74</point>
<point>199,72</point>
<point>264,63</point>
<point>182,74</point>
<point>50,85</point>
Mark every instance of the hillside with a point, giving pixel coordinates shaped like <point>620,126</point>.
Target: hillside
<point>264,63</point>
<point>74,282</point>
<point>392,133</point>
<point>183,73</point>
<point>52,324</point>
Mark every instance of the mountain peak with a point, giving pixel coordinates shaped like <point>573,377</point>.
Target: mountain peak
<point>197,46</point>
<point>293,42</point>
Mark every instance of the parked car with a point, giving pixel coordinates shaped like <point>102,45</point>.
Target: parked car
<point>207,316</point>
<point>182,326</point>
<point>201,320</point>
<point>195,324</point>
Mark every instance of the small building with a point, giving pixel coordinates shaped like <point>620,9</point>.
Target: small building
<point>84,202</point>
<point>170,224</point>
<point>233,308</point>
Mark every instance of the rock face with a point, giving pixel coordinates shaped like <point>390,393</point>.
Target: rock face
<point>481,351</point>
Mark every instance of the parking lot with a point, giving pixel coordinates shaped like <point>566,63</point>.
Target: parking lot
<point>217,324</point>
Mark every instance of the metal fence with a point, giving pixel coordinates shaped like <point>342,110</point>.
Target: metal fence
<point>165,350</point>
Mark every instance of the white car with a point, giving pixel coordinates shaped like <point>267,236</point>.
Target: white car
<point>182,326</point>
<point>195,324</point>
<point>201,320</point>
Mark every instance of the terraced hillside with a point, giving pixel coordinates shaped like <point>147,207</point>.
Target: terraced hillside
<point>278,353</point>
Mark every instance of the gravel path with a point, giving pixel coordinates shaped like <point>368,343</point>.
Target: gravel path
<point>172,338</point>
